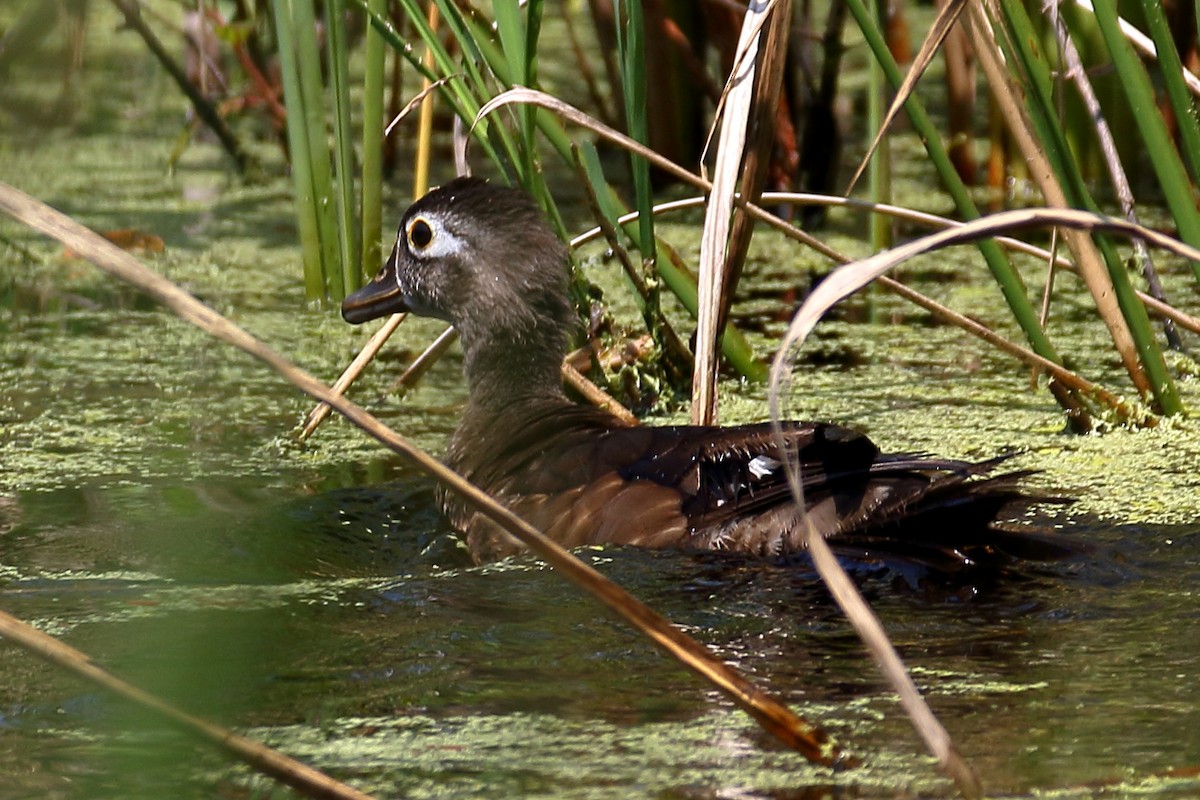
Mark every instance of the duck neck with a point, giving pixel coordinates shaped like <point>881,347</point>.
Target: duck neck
<point>503,371</point>
<point>514,325</point>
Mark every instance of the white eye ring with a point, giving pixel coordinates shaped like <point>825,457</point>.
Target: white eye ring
<point>420,234</point>
<point>427,237</point>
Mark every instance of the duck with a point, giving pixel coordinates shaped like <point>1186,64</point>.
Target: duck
<point>481,256</point>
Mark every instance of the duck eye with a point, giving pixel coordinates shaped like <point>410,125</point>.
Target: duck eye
<point>420,234</point>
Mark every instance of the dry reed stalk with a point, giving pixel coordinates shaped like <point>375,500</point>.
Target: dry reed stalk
<point>301,777</point>
<point>351,373</point>
<point>772,715</point>
<point>1083,249</point>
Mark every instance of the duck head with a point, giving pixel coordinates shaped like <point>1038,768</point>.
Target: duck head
<point>482,257</point>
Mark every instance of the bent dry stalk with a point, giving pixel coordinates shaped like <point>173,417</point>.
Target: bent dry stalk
<point>786,726</point>
<point>301,777</point>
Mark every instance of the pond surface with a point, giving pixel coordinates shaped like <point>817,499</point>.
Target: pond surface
<point>156,513</point>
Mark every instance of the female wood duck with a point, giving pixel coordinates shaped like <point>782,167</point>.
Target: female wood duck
<point>482,257</point>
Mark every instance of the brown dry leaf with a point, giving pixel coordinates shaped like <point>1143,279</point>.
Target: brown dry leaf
<point>130,239</point>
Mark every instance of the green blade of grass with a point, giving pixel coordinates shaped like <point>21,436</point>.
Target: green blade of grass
<point>345,275</point>
<point>1010,283</point>
<point>1168,166</point>
<point>308,63</point>
<point>480,50</point>
<point>879,173</point>
<point>510,26</point>
<point>371,204</point>
<point>298,144</point>
<point>681,283</point>
<point>456,92</point>
<point>497,62</point>
<point>1043,113</point>
<point>1172,78</point>
<point>631,52</point>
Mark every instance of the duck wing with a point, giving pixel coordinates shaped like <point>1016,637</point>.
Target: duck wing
<point>558,466</point>
<point>586,479</point>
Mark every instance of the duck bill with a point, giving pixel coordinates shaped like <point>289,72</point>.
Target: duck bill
<point>379,298</point>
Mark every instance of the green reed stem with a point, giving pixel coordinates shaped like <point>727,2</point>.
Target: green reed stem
<point>371,207</point>
<point>681,283</point>
<point>516,51</point>
<point>1169,170</point>
<point>344,274</point>
<point>631,61</point>
<point>879,173</point>
<point>1009,281</point>
<point>298,144</point>
<point>497,61</point>
<point>1177,190</point>
<point>1172,78</point>
<point>308,62</point>
<point>1053,138</point>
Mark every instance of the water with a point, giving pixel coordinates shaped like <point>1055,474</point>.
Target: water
<point>156,513</point>
<point>347,629</point>
<point>158,516</point>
